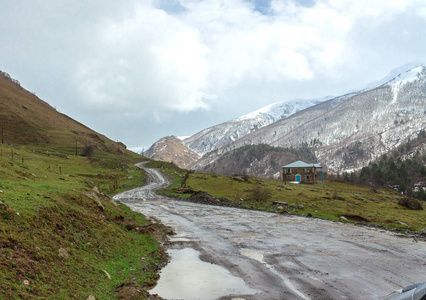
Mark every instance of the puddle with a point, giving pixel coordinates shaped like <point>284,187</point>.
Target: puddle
<point>186,277</point>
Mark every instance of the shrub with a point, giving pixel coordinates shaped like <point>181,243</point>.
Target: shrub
<point>88,151</point>
<point>259,194</point>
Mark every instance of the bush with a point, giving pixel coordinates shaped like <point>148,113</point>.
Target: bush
<point>88,151</point>
<point>259,194</point>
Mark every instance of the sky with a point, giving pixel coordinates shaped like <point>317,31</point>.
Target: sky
<point>139,70</point>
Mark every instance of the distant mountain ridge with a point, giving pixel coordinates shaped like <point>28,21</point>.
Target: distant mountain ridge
<point>345,132</point>
<point>349,135</point>
<point>228,132</point>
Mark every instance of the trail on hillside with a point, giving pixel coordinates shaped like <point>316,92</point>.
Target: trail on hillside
<point>285,257</point>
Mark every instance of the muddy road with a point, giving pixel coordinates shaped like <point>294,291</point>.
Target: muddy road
<point>276,256</point>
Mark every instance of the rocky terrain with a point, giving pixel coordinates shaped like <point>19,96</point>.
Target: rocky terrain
<point>171,149</point>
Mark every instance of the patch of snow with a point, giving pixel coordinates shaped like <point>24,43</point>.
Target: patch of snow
<point>280,110</point>
<point>394,74</point>
<point>183,137</point>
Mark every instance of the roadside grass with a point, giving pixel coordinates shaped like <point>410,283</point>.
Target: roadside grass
<point>329,201</point>
<point>56,242</point>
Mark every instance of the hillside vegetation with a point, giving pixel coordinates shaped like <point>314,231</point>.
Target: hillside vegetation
<point>258,160</point>
<point>61,237</point>
<point>27,120</point>
<point>331,200</point>
<point>404,169</point>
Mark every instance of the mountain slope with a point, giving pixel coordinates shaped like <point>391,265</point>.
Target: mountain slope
<point>225,133</point>
<point>257,161</point>
<point>26,119</point>
<point>354,132</point>
<point>171,149</point>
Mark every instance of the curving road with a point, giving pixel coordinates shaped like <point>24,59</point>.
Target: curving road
<point>286,257</point>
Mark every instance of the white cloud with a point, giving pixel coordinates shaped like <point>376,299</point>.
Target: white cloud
<point>165,58</point>
<point>150,60</point>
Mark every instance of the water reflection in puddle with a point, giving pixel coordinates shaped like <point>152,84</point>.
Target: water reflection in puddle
<point>187,277</point>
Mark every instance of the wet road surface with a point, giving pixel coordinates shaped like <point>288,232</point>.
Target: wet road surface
<point>286,257</point>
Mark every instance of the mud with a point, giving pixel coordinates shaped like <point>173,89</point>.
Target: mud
<point>288,257</point>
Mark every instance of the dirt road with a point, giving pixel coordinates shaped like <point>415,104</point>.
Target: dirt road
<point>286,257</point>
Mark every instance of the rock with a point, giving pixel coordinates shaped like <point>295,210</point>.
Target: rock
<point>280,208</point>
<point>3,205</point>
<point>357,197</point>
<point>410,203</point>
<point>63,253</point>
<point>342,218</point>
<point>309,215</point>
<point>89,183</point>
<point>129,292</point>
<point>278,189</point>
<point>96,198</point>
<point>26,282</point>
<point>300,206</point>
<point>292,205</point>
<point>1,191</point>
<point>106,273</point>
<point>401,223</point>
<point>336,197</point>
<point>238,178</point>
<point>130,177</point>
<point>90,297</point>
<point>288,188</point>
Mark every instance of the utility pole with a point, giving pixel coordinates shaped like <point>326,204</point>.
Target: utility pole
<point>2,138</point>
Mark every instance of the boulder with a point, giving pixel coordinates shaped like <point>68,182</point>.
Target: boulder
<point>63,253</point>
<point>410,203</point>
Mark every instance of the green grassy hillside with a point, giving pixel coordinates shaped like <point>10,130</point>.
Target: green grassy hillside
<point>27,120</point>
<point>330,201</point>
<point>60,235</point>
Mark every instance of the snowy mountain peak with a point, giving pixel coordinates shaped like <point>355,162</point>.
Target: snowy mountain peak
<point>280,110</point>
<point>400,72</point>
<point>407,76</point>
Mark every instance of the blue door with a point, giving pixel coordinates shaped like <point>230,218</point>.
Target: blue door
<point>297,177</point>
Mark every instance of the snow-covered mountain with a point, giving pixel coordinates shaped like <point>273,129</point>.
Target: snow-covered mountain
<point>354,131</point>
<point>225,133</point>
<point>228,132</point>
<point>345,132</point>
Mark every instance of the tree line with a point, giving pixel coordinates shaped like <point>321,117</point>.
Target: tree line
<point>408,175</point>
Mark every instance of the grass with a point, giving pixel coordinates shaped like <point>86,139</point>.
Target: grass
<point>44,211</point>
<point>329,201</point>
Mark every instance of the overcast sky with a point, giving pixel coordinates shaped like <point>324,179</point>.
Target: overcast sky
<point>137,71</point>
